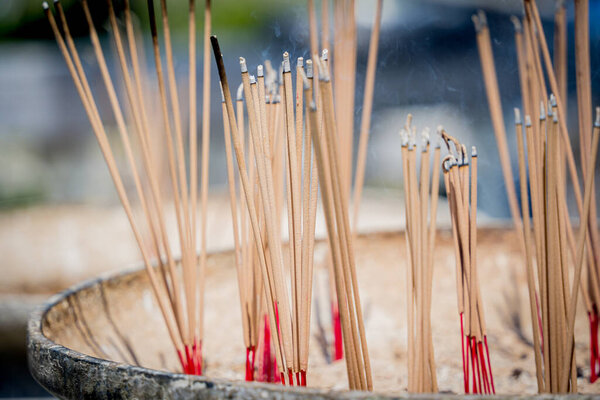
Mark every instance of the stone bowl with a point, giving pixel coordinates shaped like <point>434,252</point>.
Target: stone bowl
<point>105,338</point>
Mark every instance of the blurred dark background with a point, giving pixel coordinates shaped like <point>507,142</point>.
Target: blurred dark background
<point>51,167</point>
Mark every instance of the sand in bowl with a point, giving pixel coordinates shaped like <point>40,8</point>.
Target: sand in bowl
<point>118,319</point>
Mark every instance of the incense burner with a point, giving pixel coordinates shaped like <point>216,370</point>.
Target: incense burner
<point>106,339</point>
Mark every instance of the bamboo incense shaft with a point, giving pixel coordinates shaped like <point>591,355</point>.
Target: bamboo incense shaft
<point>204,177</point>
<point>193,120</point>
<point>423,189</point>
<point>100,134</point>
<point>560,51</point>
<point>529,256</point>
<point>475,297</point>
<point>136,100</point>
<point>122,130</point>
<point>419,238</point>
<point>268,201</point>
<point>564,377</point>
<point>345,228</point>
<point>491,83</point>
<point>447,164</point>
<point>124,135</point>
<point>325,28</point>
<point>432,234</point>
<point>309,222</point>
<point>533,15</point>
<point>409,269</point>
<point>294,194</point>
<point>330,136</point>
<point>88,92</point>
<point>182,230</point>
<point>234,217</point>
<point>563,282</point>
<point>552,261</point>
<point>365,120</point>
<point>176,117</point>
<point>245,248</point>
<point>249,200</point>
<point>180,295</point>
<point>583,75</point>
<point>522,64</point>
<point>326,196</point>
<point>414,282</point>
<point>462,195</point>
<point>344,67</point>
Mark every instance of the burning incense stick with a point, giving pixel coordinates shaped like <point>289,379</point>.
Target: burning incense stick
<point>292,317</point>
<point>289,320</point>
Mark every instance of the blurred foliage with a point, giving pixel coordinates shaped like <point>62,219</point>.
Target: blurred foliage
<point>24,19</point>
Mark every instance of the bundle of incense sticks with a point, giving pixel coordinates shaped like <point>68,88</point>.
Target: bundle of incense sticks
<point>460,179</point>
<point>420,201</point>
<point>552,238</point>
<point>268,116</point>
<point>289,320</point>
<point>178,288</point>
<point>344,73</point>
<point>535,71</point>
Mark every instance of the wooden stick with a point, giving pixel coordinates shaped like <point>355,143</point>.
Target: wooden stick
<point>325,29</point>
<point>564,377</point>
<point>409,269</point>
<point>193,120</point>
<point>533,15</point>
<point>204,176</point>
<point>365,120</point>
<point>491,84</point>
<point>171,154</point>
<point>560,50</point>
<point>93,116</point>
<point>342,217</point>
<point>528,256</point>
<point>272,230</point>
<point>139,112</point>
<point>122,128</point>
<point>435,184</point>
<point>583,75</point>
<point>234,218</point>
<point>323,169</point>
<point>334,169</point>
<point>269,291</point>
<point>522,63</point>
<point>176,116</point>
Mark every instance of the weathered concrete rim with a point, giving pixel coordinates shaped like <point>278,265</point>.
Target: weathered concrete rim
<point>69,374</point>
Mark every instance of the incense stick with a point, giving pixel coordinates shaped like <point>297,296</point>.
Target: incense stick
<point>461,188</point>
<point>365,121</point>
<point>174,290</point>
<point>420,240</point>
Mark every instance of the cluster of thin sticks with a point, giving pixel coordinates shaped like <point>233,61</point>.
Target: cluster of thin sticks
<point>344,73</point>
<point>265,149</point>
<point>460,180</point>
<point>535,71</point>
<point>319,125</point>
<point>542,164</point>
<point>420,201</point>
<point>177,290</point>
